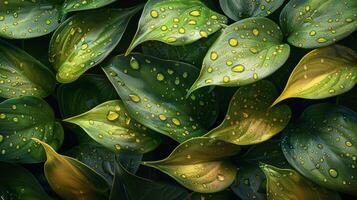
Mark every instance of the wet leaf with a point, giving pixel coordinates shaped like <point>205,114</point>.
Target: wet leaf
<point>85,39</point>
<point>176,22</point>
<point>78,5</point>
<point>154,90</point>
<point>110,125</point>
<point>22,119</point>
<point>322,73</point>
<point>322,146</point>
<point>250,120</point>
<point>240,9</point>
<point>23,75</point>
<point>287,184</point>
<point>72,179</point>
<point>246,51</point>
<point>28,19</point>
<point>18,183</point>
<point>224,195</point>
<point>201,164</point>
<point>317,23</point>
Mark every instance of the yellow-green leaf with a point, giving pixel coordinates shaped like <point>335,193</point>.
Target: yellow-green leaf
<point>78,5</point>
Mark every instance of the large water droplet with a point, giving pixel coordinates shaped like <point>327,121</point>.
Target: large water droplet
<point>111,116</point>
<point>333,173</point>
<point>135,98</point>
<point>134,63</point>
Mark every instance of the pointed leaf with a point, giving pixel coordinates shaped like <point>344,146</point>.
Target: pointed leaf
<point>317,23</point>
<point>322,146</point>
<point>176,22</point>
<point>85,39</point>
<point>322,73</point>
<point>287,184</point>
<point>153,91</point>
<point>246,51</point>
<point>240,9</point>
<point>78,5</point>
<point>200,164</point>
<point>250,120</point>
<point>28,19</point>
<point>23,75</point>
<point>22,119</point>
<point>72,179</point>
<point>110,125</point>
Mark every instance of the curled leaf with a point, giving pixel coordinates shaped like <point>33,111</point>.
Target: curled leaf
<point>176,22</point>
<point>201,164</point>
<point>246,51</point>
<point>110,125</point>
<point>78,5</point>
<point>318,23</point>
<point>322,73</point>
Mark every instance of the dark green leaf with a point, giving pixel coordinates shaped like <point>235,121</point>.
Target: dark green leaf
<point>78,5</point>
<point>224,195</point>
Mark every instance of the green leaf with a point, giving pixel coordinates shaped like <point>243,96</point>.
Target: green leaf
<point>127,186</point>
<point>28,19</point>
<point>85,39</point>
<point>18,183</point>
<point>153,91</point>
<point>287,184</point>
<point>176,22</point>
<point>317,23</point>
<point>72,179</point>
<point>201,164</point>
<point>250,120</point>
<point>224,195</point>
<point>240,9</point>
<point>110,125</point>
<point>79,5</point>
<point>22,119</point>
<point>246,51</point>
<point>322,146</point>
<point>322,73</point>
<point>23,75</point>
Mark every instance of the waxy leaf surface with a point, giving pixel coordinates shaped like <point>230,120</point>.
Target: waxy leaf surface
<point>246,51</point>
<point>22,119</point>
<point>317,23</point>
<point>176,22</point>
<point>201,164</point>
<point>322,146</point>
<point>154,90</point>
<point>78,5</point>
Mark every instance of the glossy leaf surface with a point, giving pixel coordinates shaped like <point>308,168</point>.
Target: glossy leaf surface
<point>154,90</point>
<point>200,164</point>
<point>22,119</point>
<point>78,5</point>
<point>176,22</point>
<point>250,119</point>
<point>247,51</point>
<point>318,23</point>
<point>322,73</point>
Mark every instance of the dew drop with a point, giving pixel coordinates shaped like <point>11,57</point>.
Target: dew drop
<point>214,55</point>
<point>84,46</point>
<point>171,39</point>
<point>181,30</point>
<point>154,14</point>
<point>111,116</point>
<point>162,117</point>
<point>312,33</point>
<point>333,173</point>
<point>349,144</point>
<point>233,42</point>
<point>176,121</point>
<point>255,32</point>
<point>195,13</point>
<point>220,177</point>
<point>117,147</point>
<point>226,79</point>
<point>135,98</point>
<point>203,34</point>
<point>1,138</point>
<point>321,40</point>
<point>2,116</point>
<point>160,77</point>
<point>134,63</point>
<point>238,68</point>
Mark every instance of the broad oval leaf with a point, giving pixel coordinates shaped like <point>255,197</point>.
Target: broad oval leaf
<point>322,73</point>
<point>23,75</point>
<point>18,183</point>
<point>72,179</point>
<point>245,52</point>
<point>201,164</point>
<point>287,184</point>
<point>22,119</point>
<point>250,120</point>
<point>322,146</point>
<point>176,22</point>
<point>85,39</point>
<point>27,19</point>
<point>240,9</point>
<point>78,5</point>
<point>153,91</point>
<point>110,125</point>
<point>317,23</point>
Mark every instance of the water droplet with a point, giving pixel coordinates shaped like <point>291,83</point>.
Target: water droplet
<point>117,147</point>
<point>226,79</point>
<point>188,156</point>
<point>171,39</point>
<point>164,28</point>
<point>91,122</point>
<point>195,13</point>
<point>349,20</point>
<point>238,68</point>
<point>192,22</point>
<point>349,144</point>
<point>2,18</point>
<point>1,138</point>
<point>203,34</point>
<point>233,42</point>
<point>111,116</point>
<point>333,173</point>
<point>162,117</point>
<point>312,33</point>
<point>84,46</point>
<point>134,63</point>
<point>208,81</point>
<point>255,76</point>
<point>154,14</point>
<point>176,121</point>
<point>321,40</point>
<point>220,177</point>
<point>255,32</point>
<point>13,107</point>
<point>160,77</point>
<point>182,30</point>
<point>253,50</point>
<point>307,8</point>
<point>15,119</point>
<point>214,55</point>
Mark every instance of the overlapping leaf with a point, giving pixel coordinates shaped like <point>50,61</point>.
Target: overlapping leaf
<point>23,75</point>
<point>85,39</point>
<point>153,91</point>
<point>322,73</point>
<point>78,5</point>
<point>110,125</point>
<point>22,119</point>
<point>250,119</point>
<point>201,164</point>
<point>246,51</point>
<point>317,23</point>
<point>176,22</point>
